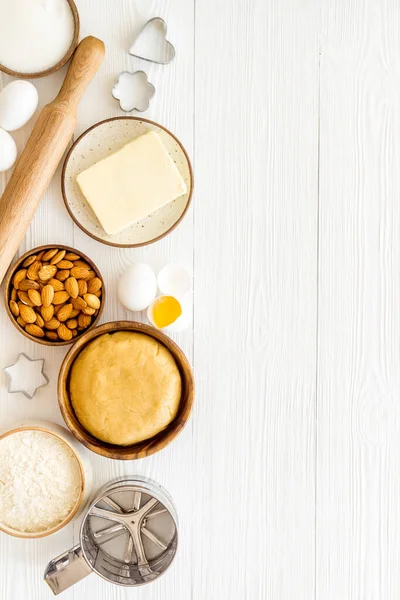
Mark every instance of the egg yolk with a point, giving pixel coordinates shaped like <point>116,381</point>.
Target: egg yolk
<point>166,310</point>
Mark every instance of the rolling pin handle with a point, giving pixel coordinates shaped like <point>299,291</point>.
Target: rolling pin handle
<point>85,62</point>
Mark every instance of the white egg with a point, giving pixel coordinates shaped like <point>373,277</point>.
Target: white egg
<point>137,287</point>
<point>174,280</point>
<point>18,102</point>
<point>8,151</point>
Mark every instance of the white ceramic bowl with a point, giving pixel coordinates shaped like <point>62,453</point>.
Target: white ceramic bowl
<point>82,457</point>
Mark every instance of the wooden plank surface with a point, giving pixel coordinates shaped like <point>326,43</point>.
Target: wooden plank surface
<point>256,141</point>
<point>287,479</point>
<point>358,516</point>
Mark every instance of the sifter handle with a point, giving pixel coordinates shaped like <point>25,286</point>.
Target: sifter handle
<point>66,570</point>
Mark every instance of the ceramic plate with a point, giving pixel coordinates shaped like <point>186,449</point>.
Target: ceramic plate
<point>100,141</point>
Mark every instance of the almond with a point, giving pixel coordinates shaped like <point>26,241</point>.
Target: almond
<point>51,335</point>
<point>64,333</point>
<point>94,285</point>
<point>35,297</point>
<point>23,296</point>
<point>83,287</point>
<point>27,313</point>
<point>56,285</point>
<point>98,294</point>
<point>33,270</point>
<point>71,286</point>
<point>72,256</point>
<point>40,255</point>
<point>91,275</point>
<point>34,330</point>
<point>28,261</point>
<point>27,284</point>
<point>75,313</point>
<point>82,263</point>
<point>72,323</point>
<point>14,308</point>
<point>92,301</point>
<point>14,294</point>
<point>49,254</point>
<point>74,333</point>
<point>59,256</point>
<point>18,277</point>
<point>88,310</point>
<point>84,320</point>
<point>64,313</point>
<point>60,297</point>
<point>65,264</point>
<point>47,295</point>
<point>79,303</point>
<point>47,272</point>
<point>79,272</point>
<point>21,322</point>
<point>39,320</point>
<point>63,274</point>
<point>52,324</point>
<point>47,312</point>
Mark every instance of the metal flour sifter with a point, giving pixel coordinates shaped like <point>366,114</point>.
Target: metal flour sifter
<point>128,536</point>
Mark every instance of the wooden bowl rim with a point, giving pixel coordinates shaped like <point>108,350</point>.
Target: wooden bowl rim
<point>7,284</point>
<point>114,244</point>
<point>163,438</point>
<point>27,535</point>
<point>61,62</point>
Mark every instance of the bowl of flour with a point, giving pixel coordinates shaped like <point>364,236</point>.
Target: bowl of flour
<point>43,480</point>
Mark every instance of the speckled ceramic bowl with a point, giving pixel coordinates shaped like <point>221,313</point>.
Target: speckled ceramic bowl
<point>97,143</point>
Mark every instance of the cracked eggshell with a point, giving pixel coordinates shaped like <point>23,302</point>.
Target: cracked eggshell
<point>8,151</point>
<point>174,280</point>
<point>137,287</point>
<point>18,102</point>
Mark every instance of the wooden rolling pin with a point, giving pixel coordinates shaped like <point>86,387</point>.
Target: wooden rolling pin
<point>43,151</point>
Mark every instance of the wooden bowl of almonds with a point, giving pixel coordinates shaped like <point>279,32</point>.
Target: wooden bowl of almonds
<point>53,294</point>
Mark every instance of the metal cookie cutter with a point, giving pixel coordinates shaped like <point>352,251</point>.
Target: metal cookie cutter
<point>29,370</point>
<point>134,91</point>
<point>165,53</point>
<point>129,536</point>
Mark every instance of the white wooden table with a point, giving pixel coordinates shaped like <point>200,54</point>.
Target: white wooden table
<point>287,479</point>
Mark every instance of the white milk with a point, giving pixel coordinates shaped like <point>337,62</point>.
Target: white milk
<point>34,34</point>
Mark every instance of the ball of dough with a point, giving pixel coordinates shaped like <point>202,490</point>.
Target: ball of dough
<point>125,387</point>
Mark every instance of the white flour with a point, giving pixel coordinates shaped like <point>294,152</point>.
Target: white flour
<point>34,34</point>
<point>40,481</point>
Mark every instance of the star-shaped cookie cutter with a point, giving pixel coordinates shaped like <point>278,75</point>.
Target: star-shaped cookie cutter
<point>19,389</point>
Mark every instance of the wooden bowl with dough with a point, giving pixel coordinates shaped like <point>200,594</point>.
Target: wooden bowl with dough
<point>147,446</point>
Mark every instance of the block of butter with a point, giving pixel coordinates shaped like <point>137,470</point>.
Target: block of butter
<point>132,183</point>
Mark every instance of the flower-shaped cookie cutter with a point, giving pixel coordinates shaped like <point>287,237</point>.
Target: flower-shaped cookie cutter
<point>134,91</point>
<point>15,373</point>
<point>166,51</point>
